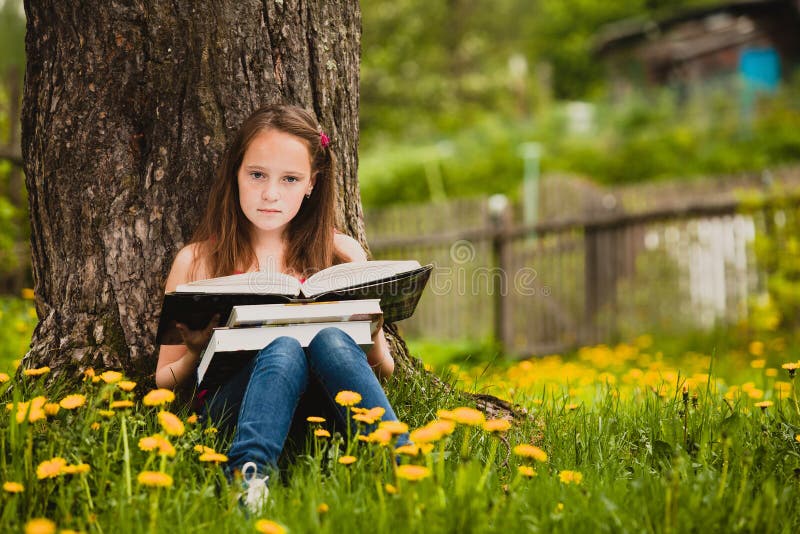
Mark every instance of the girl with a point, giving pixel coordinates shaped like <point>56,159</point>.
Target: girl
<point>272,207</point>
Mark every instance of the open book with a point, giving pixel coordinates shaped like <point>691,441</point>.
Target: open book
<point>397,284</point>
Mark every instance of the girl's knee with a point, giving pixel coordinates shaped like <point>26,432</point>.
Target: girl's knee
<point>285,352</point>
<point>284,344</point>
<point>331,338</point>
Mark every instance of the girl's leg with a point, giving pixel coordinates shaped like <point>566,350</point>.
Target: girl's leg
<point>278,379</point>
<point>339,364</point>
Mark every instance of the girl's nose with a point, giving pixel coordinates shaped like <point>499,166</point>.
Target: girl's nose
<point>270,191</point>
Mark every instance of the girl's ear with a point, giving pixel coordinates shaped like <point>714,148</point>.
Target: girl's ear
<point>313,181</point>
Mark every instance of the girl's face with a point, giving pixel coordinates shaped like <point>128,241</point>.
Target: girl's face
<point>273,179</point>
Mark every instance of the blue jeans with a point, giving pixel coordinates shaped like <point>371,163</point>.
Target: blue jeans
<point>283,384</point>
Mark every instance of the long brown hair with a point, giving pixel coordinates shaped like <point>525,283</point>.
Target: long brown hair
<point>223,236</point>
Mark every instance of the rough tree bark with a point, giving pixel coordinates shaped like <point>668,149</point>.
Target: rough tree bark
<point>127,108</point>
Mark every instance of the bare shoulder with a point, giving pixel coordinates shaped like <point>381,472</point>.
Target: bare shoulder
<point>349,247</point>
<point>183,267</point>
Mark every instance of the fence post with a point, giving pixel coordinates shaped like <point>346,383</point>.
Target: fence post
<point>500,220</point>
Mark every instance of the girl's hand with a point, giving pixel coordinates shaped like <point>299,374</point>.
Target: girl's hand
<point>196,340</point>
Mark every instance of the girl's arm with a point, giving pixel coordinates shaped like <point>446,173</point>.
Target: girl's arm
<point>379,356</point>
<point>177,363</point>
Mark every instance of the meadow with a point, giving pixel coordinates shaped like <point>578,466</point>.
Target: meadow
<point>622,438</point>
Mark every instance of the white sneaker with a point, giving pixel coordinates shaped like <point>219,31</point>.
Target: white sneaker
<point>254,496</point>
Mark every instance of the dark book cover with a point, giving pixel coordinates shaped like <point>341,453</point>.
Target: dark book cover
<point>398,294</point>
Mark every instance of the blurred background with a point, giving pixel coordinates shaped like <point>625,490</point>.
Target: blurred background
<point>580,172</point>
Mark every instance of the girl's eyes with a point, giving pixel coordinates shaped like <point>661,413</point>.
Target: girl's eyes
<point>259,175</point>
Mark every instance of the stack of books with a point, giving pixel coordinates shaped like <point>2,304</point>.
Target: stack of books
<point>259,307</point>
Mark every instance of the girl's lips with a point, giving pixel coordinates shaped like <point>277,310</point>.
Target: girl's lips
<point>269,211</point>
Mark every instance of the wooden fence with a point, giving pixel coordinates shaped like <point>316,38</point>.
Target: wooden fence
<point>551,286</point>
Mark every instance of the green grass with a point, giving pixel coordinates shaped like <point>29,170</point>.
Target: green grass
<point>651,459</point>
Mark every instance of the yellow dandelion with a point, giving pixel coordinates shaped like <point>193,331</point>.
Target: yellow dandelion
<point>572,406</point>
<point>4,378</point>
<point>497,425</point>
<point>410,449</point>
<point>265,526</point>
<point>413,473</point>
<point>370,416</point>
<point>110,377</point>
<point>755,393</point>
<point>40,525</point>
<point>348,398</point>
<point>33,410</point>
<point>390,489</point>
<point>530,451</point>
<point>121,404</point>
<point>434,431</point>
<point>323,508</point>
<point>154,479</point>
<point>203,449</point>
<point>468,416</point>
<point>797,438</point>
<point>526,471</point>
<point>27,293</point>
<point>50,468</point>
<point>126,385</point>
<point>444,414</point>
<point>322,433</point>
<point>157,397</point>
<point>426,434</point>
<point>89,373</point>
<point>570,477</point>
<point>70,402</point>
<point>771,372</point>
<point>380,436</point>
<point>758,364</point>
<point>157,442</point>
<point>756,348</point>
<point>51,408</point>
<point>764,404</point>
<point>95,426</point>
<point>444,426</point>
<point>394,427</point>
<point>347,460</point>
<point>210,430</point>
<point>362,437</point>
<point>171,423</point>
<point>560,507</point>
<point>106,413</point>
<point>13,487</point>
<point>77,469</point>
<point>192,419</point>
<point>315,419</point>
<point>39,371</point>
<point>214,457</point>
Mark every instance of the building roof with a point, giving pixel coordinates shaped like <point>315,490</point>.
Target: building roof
<point>630,31</point>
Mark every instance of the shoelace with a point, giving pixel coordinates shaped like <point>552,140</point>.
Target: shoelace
<point>257,490</point>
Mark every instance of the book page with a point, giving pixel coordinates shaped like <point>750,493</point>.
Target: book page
<point>260,282</point>
<point>355,274</point>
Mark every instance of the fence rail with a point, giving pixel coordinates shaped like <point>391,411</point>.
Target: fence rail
<point>554,285</point>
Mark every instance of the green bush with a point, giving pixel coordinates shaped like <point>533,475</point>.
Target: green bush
<point>17,321</point>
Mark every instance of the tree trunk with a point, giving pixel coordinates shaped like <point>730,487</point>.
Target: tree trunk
<point>126,113</point>
<point>127,109</point>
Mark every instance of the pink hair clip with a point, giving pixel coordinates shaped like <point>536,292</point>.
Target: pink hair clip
<point>324,140</point>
